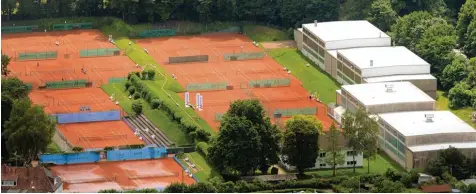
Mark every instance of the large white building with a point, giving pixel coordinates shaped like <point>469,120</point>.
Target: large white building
<point>320,41</point>
<point>378,98</point>
<point>384,64</point>
<point>412,138</point>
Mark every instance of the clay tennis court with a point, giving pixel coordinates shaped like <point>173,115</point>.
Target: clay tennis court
<point>235,73</point>
<point>128,175</point>
<point>69,101</point>
<point>68,65</point>
<point>92,135</point>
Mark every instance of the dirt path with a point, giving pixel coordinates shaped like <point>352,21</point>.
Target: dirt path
<point>61,143</point>
<point>279,44</point>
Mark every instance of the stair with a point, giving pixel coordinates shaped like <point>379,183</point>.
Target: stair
<point>141,122</point>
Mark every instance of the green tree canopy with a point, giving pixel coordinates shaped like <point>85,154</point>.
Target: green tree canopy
<point>382,15</point>
<point>466,27</point>
<point>5,63</point>
<point>455,72</point>
<point>334,155</point>
<point>269,134</point>
<point>137,107</point>
<point>29,130</point>
<point>301,147</point>
<point>14,88</point>
<point>237,147</point>
<point>450,160</point>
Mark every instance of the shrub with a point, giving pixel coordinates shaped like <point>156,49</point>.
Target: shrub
<point>108,148</point>
<point>155,103</point>
<point>137,74</point>
<point>137,107</point>
<point>202,135</point>
<point>77,149</point>
<point>136,96</point>
<point>128,84</point>
<point>144,75</point>
<point>132,90</point>
<point>202,148</point>
<point>406,180</point>
<point>151,74</point>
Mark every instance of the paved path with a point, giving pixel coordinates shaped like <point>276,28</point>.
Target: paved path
<point>61,143</point>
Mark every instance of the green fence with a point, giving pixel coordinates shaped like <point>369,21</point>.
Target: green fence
<point>17,29</point>
<point>114,80</point>
<point>219,116</point>
<point>38,55</point>
<point>66,84</point>
<point>295,111</point>
<point>207,86</point>
<point>157,33</point>
<point>269,83</point>
<point>243,56</point>
<point>188,59</point>
<point>100,52</point>
<point>87,25</point>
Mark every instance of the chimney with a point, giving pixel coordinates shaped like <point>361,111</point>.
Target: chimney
<point>371,63</point>
<point>315,23</point>
<point>429,118</point>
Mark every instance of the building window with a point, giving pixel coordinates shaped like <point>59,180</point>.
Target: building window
<point>322,165</point>
<point>350,153</point>
<point>9,183</point>
<point>351,162</point>
<point>322,155</point>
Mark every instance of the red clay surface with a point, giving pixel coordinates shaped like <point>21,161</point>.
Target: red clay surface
<point>37,72</point>
<point>99,134</point>
<point>235,73</point>
<point>88,178</point>
<point>69,101</point>
<point>90,134</point>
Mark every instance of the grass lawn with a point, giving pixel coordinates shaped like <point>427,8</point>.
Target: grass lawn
<point>377,166</point>
<point>204,173</point>
<point>313,79</point>
<point>464,113</point>
<point>264,34</point>
<point>158,117</point>
<point>53,148</point>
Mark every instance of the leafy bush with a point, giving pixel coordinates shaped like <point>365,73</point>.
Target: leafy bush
<point>202,135</point>
<point>406,180</point>
<point>132,90</point>
<point>144,75</point>
<point>155,103</point>
<point>202,148</point>
<point>127,85</point>
<point>108,148</point>
<point>137,107</point>
<point>137,74</point>
<point>77,149</point>
<point>151,74</point>
<point>136,96</point>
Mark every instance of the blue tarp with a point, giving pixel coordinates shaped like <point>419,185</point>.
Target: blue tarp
<point>89,117</point>
<point>71,158</point>
<point>136,154</point>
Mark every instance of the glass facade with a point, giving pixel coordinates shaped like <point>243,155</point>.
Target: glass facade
<point>392,140</point>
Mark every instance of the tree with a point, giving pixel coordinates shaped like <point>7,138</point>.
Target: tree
<point>296,12</point>
<point>466,18</point>
<point>334,155</point>
<point>300,147</point>
<point>14,88</point>
<point>361,133</point>
<point>436,46</point>
<point>435,7</point>
<point>406,180</point>
<point>388,186</point>
<point>460,95</point>
<point>454,73</point>
<point>5,63</point>
<point>237,147</point>
<point>151,74</point>
<point>450,160</point>
<point>409,29</point>
<point>382,14</point>
<point>175,188</point>
<point>269,134</point>
<point>354,10</point>
<point>201,187</point>
<point>6,108</point>
<point>29,130</point>
<point>137,107</point>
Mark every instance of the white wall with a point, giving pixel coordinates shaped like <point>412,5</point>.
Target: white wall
<point>353,43</point>
<point>396,70</point>
<point>359,158</point>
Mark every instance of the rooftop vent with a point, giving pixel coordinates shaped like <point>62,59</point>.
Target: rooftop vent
<point>389,87</point>
<point>429,117</point>
<point>371,63</point>
<point>315,23</point>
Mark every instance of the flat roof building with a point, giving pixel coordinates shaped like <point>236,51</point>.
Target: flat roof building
<point>412,138</point>
<point>378,98</point>
<point>315,40</point>
<point>384,64</point>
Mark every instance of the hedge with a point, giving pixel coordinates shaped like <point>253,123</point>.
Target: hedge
<point>202,148</point>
